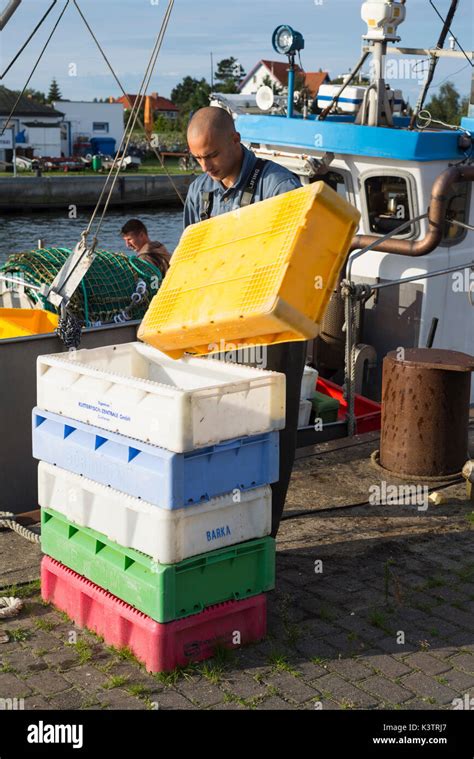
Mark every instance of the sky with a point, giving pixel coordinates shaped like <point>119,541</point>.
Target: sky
<point>127,30</point>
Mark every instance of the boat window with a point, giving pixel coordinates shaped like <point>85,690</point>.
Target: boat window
<point>457,209</point>
<point>335,180</point>
<point>388,204</point>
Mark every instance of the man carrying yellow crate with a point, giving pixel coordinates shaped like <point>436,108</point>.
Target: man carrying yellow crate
<point>233,177</point>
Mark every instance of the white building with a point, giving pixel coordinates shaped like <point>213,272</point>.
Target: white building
<point>277,73</point>
<point>43,137</point>
<point>84,120</point>
<point>36,126</point>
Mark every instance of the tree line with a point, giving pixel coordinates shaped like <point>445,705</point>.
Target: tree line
<point>191,93</point>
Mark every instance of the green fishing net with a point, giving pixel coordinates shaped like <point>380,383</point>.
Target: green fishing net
<point>116,288</point>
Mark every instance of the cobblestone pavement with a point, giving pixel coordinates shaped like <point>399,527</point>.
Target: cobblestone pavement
<point>373,610</point>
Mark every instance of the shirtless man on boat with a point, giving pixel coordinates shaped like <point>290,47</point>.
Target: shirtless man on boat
<point>135,235</point>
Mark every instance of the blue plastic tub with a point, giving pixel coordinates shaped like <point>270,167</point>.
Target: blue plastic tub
<point>168,480</point>
<point>104,145</point>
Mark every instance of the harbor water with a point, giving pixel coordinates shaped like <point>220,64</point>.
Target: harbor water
<point>21,233</point>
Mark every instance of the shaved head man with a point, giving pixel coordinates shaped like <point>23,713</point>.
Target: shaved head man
<point>234,177</point>
<point>215,144</point>
<point>228,169</point>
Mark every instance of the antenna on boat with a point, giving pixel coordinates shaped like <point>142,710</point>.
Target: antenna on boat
<point>383,19</point>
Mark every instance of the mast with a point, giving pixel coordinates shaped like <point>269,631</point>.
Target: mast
<point>471,100</point>
<point>434,62</point>
<point>383,18</point>
<point>8,13</point>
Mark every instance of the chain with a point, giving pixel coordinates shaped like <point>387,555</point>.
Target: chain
<point>354,296</point>
<point>351,407</point>
<point>69,329</point>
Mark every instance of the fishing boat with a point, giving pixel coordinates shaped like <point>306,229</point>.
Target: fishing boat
<point>411,178</point>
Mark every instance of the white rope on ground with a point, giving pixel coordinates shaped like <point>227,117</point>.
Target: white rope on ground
<point>8,521</point>
<point>9,606</point>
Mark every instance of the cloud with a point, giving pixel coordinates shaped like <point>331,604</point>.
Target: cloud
<point>127,30</point>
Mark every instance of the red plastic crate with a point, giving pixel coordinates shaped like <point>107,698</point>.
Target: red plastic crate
<point>368,413</point>
<point>161,647</point>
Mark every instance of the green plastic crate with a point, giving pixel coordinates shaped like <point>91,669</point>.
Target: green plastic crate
<point>162,591</point>
<point>325,407</point>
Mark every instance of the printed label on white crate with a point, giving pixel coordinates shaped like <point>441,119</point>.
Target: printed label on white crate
<point>220,532</point>
<point>104,411</point>
<point>182,405</point>
<point>168,536</point>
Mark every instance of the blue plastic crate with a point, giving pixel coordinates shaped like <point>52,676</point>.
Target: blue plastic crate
<point>168,480</point>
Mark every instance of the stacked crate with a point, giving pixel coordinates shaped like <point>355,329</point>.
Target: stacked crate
<point>154,487</point>
<point>132,551</point>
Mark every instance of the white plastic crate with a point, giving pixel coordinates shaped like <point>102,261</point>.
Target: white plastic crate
<point>350,100</point>
<point>304,413</point>
<point>308,383</point>
<point>352,97</point>
<point>167,536</point>
<point>138,391</point>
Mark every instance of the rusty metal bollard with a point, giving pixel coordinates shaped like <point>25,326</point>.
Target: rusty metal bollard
<point>425,411</point>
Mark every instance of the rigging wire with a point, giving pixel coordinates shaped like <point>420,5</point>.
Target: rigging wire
<point>450,76</point>
<point>130,126</point>
<point>418,63</point>
<point>434,60</point>
<point>335,100</point>
<point>452,33</point>
<point>125,94</point>
<point>34,68</point>
<point>139,103</point>
<point>461,224</point>
<point>29,38</point>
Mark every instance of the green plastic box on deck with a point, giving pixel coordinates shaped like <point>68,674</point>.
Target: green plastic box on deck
<point>325,407</point>
<point>163,591</point>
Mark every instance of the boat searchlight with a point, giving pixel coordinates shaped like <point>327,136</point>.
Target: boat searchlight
<point>287,41</point>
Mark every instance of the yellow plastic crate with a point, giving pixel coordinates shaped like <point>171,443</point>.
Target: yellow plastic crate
<point>22,322</point>
<point>261,274</point>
